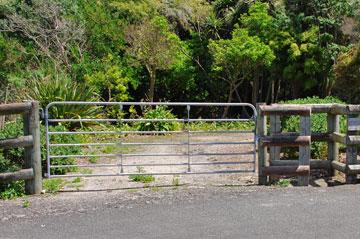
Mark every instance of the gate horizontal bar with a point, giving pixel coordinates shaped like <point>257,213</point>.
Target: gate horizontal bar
<point>154,174</point>
<point>150,103</point>
<point>149,165</point>
<point>117,120</point>
<point>149,144</point>
<point>151,132</point>
<point>148,155</point>
<point>147,120</point>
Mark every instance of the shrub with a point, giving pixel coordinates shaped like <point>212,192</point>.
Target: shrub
<point>12,190</point>
<point>160,112</point>
<point>318,123</point>
<point>62,88</point>
<point>13,158</point>
<point>12,130</point>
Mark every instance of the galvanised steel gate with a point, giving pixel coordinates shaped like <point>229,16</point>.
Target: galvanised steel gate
<point>218,139</point>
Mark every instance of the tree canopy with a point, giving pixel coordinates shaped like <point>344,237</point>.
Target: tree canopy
<point>178,50</point>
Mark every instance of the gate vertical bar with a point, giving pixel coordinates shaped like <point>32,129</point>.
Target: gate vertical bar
<point>47,138</point>
<point>188,141</point>
<point>121,150</point>
<point>255,117</point>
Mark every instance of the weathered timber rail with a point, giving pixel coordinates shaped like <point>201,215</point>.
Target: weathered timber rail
<point>30,142</point>
<point>270,164</point>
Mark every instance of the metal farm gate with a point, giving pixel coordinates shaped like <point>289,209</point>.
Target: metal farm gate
<point>197,141</point>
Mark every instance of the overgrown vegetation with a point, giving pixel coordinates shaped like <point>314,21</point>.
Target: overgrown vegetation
<point>53,185</point>
<point>160,112</point>
<point>318,124</point>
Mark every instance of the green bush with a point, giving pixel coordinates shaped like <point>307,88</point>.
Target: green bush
<point>160,112</point>
<point>12,189</point>
<point>13,158</point>
<point>12,130</point>
<point>62,88</point>
<point>318,123</point>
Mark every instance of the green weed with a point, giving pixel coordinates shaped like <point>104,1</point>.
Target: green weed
<point>142,178</point>
<point>93,159</point>
<point>26,204</point>
<point>53,185</point>
<point>283,183</point>
<point>176,181</point>
<point>76,180</point>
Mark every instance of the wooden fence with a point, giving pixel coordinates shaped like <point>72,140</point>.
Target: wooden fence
<point>30,142</point>
<point>269,163</point>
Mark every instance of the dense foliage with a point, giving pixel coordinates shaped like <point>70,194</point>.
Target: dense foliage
<point>178,50</point>
<point>318,123</point>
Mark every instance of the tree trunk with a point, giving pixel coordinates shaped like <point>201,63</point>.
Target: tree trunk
<point>255,90</point>
<point>152,75</point>
<point>231,91</point>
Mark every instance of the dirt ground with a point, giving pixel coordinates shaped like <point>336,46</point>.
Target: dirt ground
<point>118,182</point>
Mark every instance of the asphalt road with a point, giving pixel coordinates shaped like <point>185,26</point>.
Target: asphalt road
<point>279,213</point>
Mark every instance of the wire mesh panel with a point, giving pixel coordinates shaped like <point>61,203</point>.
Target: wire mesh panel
<point>142,138</point>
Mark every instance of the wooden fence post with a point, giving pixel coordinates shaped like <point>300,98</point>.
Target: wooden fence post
<point>304,151</point>
<point>32,155</point>
<point>333,147</point>
<point>262,150</point>
<point>275,128</point>
<point>351,154</point>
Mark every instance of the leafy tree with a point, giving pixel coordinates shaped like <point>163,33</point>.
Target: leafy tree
<point>347,71</point>
<point>45,24</point>
<point>111,81</point>
<point>237,59</point>
<point>191,16</point>
<point>135,11</point>
<point>103,28</point>
<point>319,21</point>
<point>154,46</point>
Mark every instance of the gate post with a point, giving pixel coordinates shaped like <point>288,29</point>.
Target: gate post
<point>32,155</point>
<point>262,150</point>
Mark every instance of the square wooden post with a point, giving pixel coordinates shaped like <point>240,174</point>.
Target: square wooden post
<point>275,128</point>
<point>333,147</point>
<point>261,130</point>
<point>304,151</point>
<point>351,154</point>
